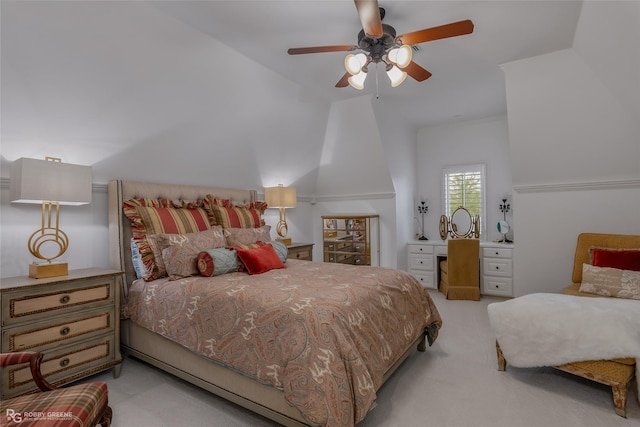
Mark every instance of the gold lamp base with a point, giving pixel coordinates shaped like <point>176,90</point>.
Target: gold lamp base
<point>55,269</point>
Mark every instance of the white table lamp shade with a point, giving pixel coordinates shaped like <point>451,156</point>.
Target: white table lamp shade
<point>35,181</point>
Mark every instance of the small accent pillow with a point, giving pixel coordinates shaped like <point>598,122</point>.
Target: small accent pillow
<point>190,243</point>
<point>281,249</point>
<point>610,282</point>
<point>247,236</point>
<point>215,262</point>
<point>623,259</point>
<point>260,260</point>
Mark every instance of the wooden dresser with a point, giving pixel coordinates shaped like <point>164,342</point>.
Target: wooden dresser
<point>74,320</point>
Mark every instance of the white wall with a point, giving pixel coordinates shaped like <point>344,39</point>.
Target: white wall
<point>353,175</point>
<point>399,143</point>
<point>575,147</point>
<point>468,142</point>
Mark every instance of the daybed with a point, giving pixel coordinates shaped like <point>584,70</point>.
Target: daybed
<point>594,329</point>
<point>307,344</point>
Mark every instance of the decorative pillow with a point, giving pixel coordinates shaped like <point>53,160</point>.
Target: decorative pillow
<point>260,260</point>
<point>136,260</point>
<point>623,259</point>
<point>281,249</point>
<point>214,262</point>
<point>156,216</point>
<point>247,236</point>
<point>191,244</point>
<point>611,282</point>
<point>229,216</point>
<point>179,263</point>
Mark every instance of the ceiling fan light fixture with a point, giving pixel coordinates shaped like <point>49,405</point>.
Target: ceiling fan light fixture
<point>401,56</point>
<point>354,63</point>
<point>357,81</point>
<point>396,75</point>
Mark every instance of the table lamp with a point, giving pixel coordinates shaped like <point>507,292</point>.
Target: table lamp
<point>50,183</point>
<point>281,197</point>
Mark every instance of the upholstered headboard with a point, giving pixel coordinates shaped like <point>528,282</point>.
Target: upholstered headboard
<point>120,228</point>
<point>587,240</point>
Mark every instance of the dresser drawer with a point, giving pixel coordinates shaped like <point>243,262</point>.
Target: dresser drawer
<point>30,305</point>
<point>300,254</point>
<point>496,252</point>
<point>45,334</point>
<point>420,249</point>
<point>425,280</point>
<point>497,267</point>
<point>497,286</point>
<point>62,365</point>
<point>421,262</point>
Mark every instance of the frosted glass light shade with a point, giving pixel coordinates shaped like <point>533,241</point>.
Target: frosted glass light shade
<point>357,81</point>
<point>353,63</point>
<point>35,181</point>
<point>396,75</point>
<point>401,56</point>
<point>280,197</point>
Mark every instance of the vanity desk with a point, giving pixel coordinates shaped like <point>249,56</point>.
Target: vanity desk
<point>496,265</point>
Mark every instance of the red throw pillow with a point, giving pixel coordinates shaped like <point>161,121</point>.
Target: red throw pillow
<point>260,260</point>
<point>622,259</point>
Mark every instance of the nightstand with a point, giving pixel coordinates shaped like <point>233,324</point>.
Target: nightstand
<point>73,320</point>
<point>302,251</point>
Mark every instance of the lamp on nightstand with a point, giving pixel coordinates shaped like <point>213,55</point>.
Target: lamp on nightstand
<point>50,183</point>
<point>281,197</point>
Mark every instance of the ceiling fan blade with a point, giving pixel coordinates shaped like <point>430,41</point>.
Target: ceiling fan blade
<point>417,72</point>
<point>369,17</point>
<point>320,49</point>
<point>436,33</point>
<point>344,81</point>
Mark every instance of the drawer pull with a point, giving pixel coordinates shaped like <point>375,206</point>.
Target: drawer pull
<point>497,268</point>
<point>64,299</point>
<point>420,249</point>
<point>297,255</point>
<point>497,253</point>
<point>420,262</point>
<point>65,362</point>
<point>64,331</point>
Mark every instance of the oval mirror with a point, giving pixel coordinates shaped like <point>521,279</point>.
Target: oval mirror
<point>503,227</point>
<point>444,227</point>
<point>461,224</point>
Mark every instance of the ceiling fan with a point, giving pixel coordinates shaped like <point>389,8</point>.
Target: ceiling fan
<point>380,43</point>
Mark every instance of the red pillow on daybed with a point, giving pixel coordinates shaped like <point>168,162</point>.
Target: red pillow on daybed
<point>622,259</point>
<point>260,260</point>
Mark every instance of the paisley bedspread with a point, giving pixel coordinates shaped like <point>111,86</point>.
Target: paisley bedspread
<point>323,333</point>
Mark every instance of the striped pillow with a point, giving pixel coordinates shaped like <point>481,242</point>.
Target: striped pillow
<point>163,216</point>
<point>229,216</point>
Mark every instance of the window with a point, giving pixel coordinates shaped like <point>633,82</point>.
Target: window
<point>464,185</point>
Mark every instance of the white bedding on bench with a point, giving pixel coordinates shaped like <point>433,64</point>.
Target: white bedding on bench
<point>553,329</point>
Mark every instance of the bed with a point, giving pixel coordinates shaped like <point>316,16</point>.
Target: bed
<point>308,344</point>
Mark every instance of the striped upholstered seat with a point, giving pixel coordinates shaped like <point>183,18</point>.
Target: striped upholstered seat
<point>80,405</point>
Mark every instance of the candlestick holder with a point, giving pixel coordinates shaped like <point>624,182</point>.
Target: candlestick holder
<point>422,210</point>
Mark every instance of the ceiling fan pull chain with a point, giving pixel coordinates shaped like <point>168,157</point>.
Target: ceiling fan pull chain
<point>377,94</point>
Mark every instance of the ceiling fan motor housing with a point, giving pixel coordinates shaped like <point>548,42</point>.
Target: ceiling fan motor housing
<point>377,46</point>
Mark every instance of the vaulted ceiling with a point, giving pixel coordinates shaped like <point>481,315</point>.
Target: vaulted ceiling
<point>114,74</point>
<point>467,81</point>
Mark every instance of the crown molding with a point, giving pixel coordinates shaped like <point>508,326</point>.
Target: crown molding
<point>578,186</point>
